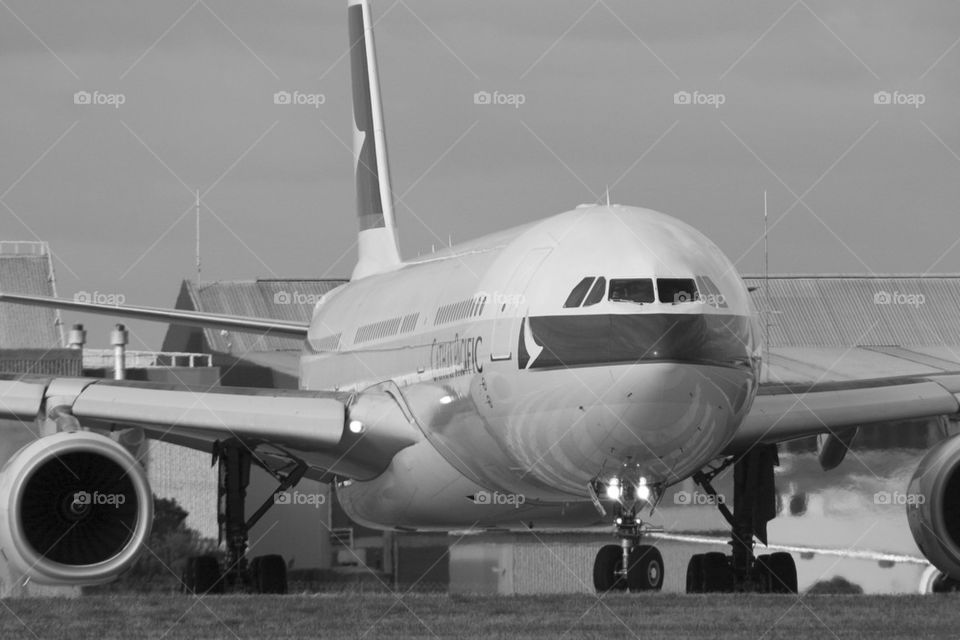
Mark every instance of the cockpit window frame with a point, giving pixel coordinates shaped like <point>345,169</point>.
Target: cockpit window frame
<point>674,290</point>
<point>626,283</point>
<point>598,292</point>
<point>579,293</point>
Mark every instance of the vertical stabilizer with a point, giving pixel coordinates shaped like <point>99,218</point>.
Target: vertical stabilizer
<point>377,242</point>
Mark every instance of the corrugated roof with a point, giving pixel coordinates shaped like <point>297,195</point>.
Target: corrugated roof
<point>847,311</point>
<point>21,326</point>
<point>277,299</point>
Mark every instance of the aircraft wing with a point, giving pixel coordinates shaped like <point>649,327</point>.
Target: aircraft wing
<point>353,436</point>
<point>784,412</point>
<point>190,318</point>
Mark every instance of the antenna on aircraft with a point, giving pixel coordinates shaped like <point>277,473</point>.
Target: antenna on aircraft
<point>608,195</point>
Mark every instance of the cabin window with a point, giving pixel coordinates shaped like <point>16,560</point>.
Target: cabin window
<point>677,290</point>
<point>596,293</point>
<point>639,290</point>
<point>579,292</point>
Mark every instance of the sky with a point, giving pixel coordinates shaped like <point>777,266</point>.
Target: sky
<point>587,95</point>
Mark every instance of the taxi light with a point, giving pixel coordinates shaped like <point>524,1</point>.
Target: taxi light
<point>356,426</point>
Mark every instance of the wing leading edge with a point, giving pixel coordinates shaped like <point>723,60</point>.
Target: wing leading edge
<point>177,316</point>
<point>353,436</point>
<point>784,412</point>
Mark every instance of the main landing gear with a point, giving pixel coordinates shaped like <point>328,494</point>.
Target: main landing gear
<point>754,505</point>
<point>263,574</point>
<point>629,565</point>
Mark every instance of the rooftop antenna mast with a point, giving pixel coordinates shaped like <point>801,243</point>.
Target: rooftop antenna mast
<point>198,236</point>
<point>766,294</point>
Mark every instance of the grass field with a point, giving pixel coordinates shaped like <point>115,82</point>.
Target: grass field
<point>442,616</point>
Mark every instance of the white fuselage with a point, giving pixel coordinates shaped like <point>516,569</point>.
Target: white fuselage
<point>516,392</point>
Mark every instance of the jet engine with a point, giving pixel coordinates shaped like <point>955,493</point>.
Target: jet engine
<point>933,506</point>
<point>75,509</point>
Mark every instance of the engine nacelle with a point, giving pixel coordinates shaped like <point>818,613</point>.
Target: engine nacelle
<point>75,509</point>
<point>933,506</point>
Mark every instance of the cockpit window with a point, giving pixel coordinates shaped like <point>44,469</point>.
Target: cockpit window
<point>578,293</point>
<point>677,290</point>
<point>596,294</point>
<point>633,290</point>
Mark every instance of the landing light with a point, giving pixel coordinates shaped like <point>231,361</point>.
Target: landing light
<point>614,489</point>
<point>643,491</point>
<point>356,426</point>
<point>446,399</point>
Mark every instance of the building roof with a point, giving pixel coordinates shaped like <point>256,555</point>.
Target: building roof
<point>287,299</point>
<point>26,267</point>
<point>849,310</point>
<point>842,327</point>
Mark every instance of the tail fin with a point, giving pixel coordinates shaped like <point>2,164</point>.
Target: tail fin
<point>378,248</point>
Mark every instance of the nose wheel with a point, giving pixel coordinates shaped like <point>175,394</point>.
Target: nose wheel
<point>644,569</point>
<point>630,565</point>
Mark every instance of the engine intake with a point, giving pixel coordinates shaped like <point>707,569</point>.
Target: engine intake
<point>75,508</point>
<point>933,507</point>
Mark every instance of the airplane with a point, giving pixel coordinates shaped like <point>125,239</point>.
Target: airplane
<point>562,373</point>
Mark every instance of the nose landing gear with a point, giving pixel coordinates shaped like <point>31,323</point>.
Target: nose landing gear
<point>629,565</point>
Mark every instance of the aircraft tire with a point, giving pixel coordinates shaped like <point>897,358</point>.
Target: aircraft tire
<point>269,574</point>
<point>202,575</point>
<point>717,575</point>
<point>695,574</point>
<point>781,572</point>
<point>646,568</point>
<point>609,560</point>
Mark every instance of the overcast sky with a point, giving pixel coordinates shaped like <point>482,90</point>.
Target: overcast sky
<point>854,186</point>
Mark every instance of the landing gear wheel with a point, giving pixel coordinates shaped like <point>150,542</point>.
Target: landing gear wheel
<point>606,569</point>
<point>717,574</point>
<point>269,574</point>
<point>645,572</point>
<point>780,571</point>
<point>202,575</point>
<point>695,574</point>
<point>944,584</point>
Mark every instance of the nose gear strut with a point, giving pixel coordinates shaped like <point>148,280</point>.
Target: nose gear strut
<point>629,565</point>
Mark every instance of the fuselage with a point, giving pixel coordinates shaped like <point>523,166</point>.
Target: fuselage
<point>538,358</point>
